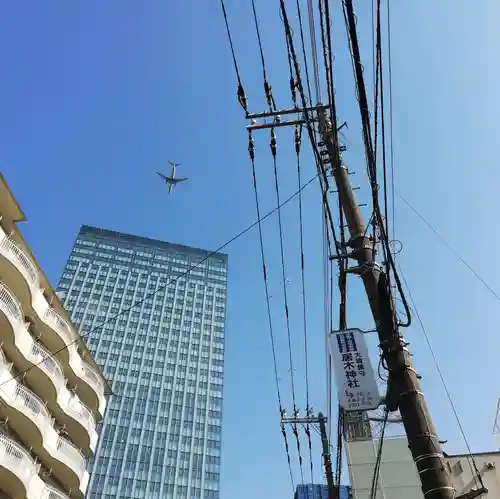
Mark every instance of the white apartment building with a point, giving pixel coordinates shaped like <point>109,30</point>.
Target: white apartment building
<point>52,393</point>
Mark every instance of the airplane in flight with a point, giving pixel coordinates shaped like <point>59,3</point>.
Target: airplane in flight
<point>172,180</point>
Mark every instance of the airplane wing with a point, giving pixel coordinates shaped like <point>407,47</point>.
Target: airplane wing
<point>162,176</point>
<point>177,180</point>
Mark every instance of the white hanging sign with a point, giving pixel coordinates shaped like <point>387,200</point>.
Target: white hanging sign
<point>354,375</point>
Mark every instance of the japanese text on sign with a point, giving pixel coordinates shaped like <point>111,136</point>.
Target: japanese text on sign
<point>355,378</point>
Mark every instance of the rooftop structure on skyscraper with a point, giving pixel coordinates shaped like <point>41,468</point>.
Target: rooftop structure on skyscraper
<point>52,393</point>
<point>163,309</point>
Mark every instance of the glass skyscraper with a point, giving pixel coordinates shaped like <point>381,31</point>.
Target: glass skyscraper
<point>319,491</point>
<point>162,347</point>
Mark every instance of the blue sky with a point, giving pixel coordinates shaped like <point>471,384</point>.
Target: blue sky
<point>96,96</point>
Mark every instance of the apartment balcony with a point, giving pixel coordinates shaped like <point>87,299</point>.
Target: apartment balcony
<point>19,473</point>
<point>22,277</point>
<point>29,417</point>
<point>52,493</point>
<point>44,374</point>
<point>93,388</point>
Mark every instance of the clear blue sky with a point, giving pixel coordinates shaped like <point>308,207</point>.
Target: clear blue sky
<point>96,96</point>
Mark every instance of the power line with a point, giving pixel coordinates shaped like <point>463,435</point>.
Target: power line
<point>391,134</point>
<point>350,22</point>
<point>452,249</point>
<point>170,281</point>
<point>319,162</point>
<point>296,433</point>
<point>267,87</point>
<point>306,66</point>
<point>251,151</point>
<point>298,138</point>
<point>283,271</point>
<point>382,123</point>
<point>283,432</point>
<point>264,268</point>
<point>314,52</point>
<point>378,462</point>
<point>241,93</point>
<point>473,466</point>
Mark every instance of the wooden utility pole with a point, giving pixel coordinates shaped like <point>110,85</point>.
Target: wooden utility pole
<point>403,387</point>
<point>327,459</point>
<point>320,419</point>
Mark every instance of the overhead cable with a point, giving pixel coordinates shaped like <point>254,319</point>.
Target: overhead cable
<point>304,55</point>
<point>452,249</point>
<point>298,141</point>
<point>267,86</point>
<point>378,461</point>
<point>170,281</point>
<point>241,93</point>
<point>314,52</point>
<point>309,442</point>
<point>251,151</point>
<point>296,433</point>
<point>350,22</point>
<point>273,146</point>
<point>472,462</point>
<point>319,163</point>
<point>380,77</point>
<point>287,449</point>
<point>391,134</point>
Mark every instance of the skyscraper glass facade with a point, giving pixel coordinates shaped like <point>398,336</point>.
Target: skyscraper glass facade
<point>319,491</point>
<point>162,346</point>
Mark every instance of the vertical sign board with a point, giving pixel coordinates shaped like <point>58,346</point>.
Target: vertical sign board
<point>356,383</point>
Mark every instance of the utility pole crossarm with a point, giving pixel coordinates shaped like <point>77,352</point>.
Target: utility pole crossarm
<point>320,420</point>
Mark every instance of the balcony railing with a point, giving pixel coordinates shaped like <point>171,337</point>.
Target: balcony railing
<point>14,457</point>
<point>17,459</point>
<point>93,377</point>
<point>59,324</point>
<point>24,263</point>
<point>42,358</point>
<point>26,399</point>
<point>52,493</point>
<point>46,360</point>
<point>10,305</point>
<point>82,413</point>
<point>47,314</point>
<point>27,403</point>
<point>72,455</point>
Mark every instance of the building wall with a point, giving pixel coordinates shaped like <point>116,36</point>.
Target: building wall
<point>51,392</point>
<point>398,476</point>
<point>463,474</point>
<point>162,430</point>
<point>398,473</point>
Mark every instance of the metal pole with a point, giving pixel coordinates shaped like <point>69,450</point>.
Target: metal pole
<point>326,456</point>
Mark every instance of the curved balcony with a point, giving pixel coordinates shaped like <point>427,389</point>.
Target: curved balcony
<point>20,261</point>
<point>92,390</point>
<point>23,278</point>
<point>44,373</point>
<point>52,493</point>
<point>30,419</point>
<point>17,468</point>
<point>19,473</point>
